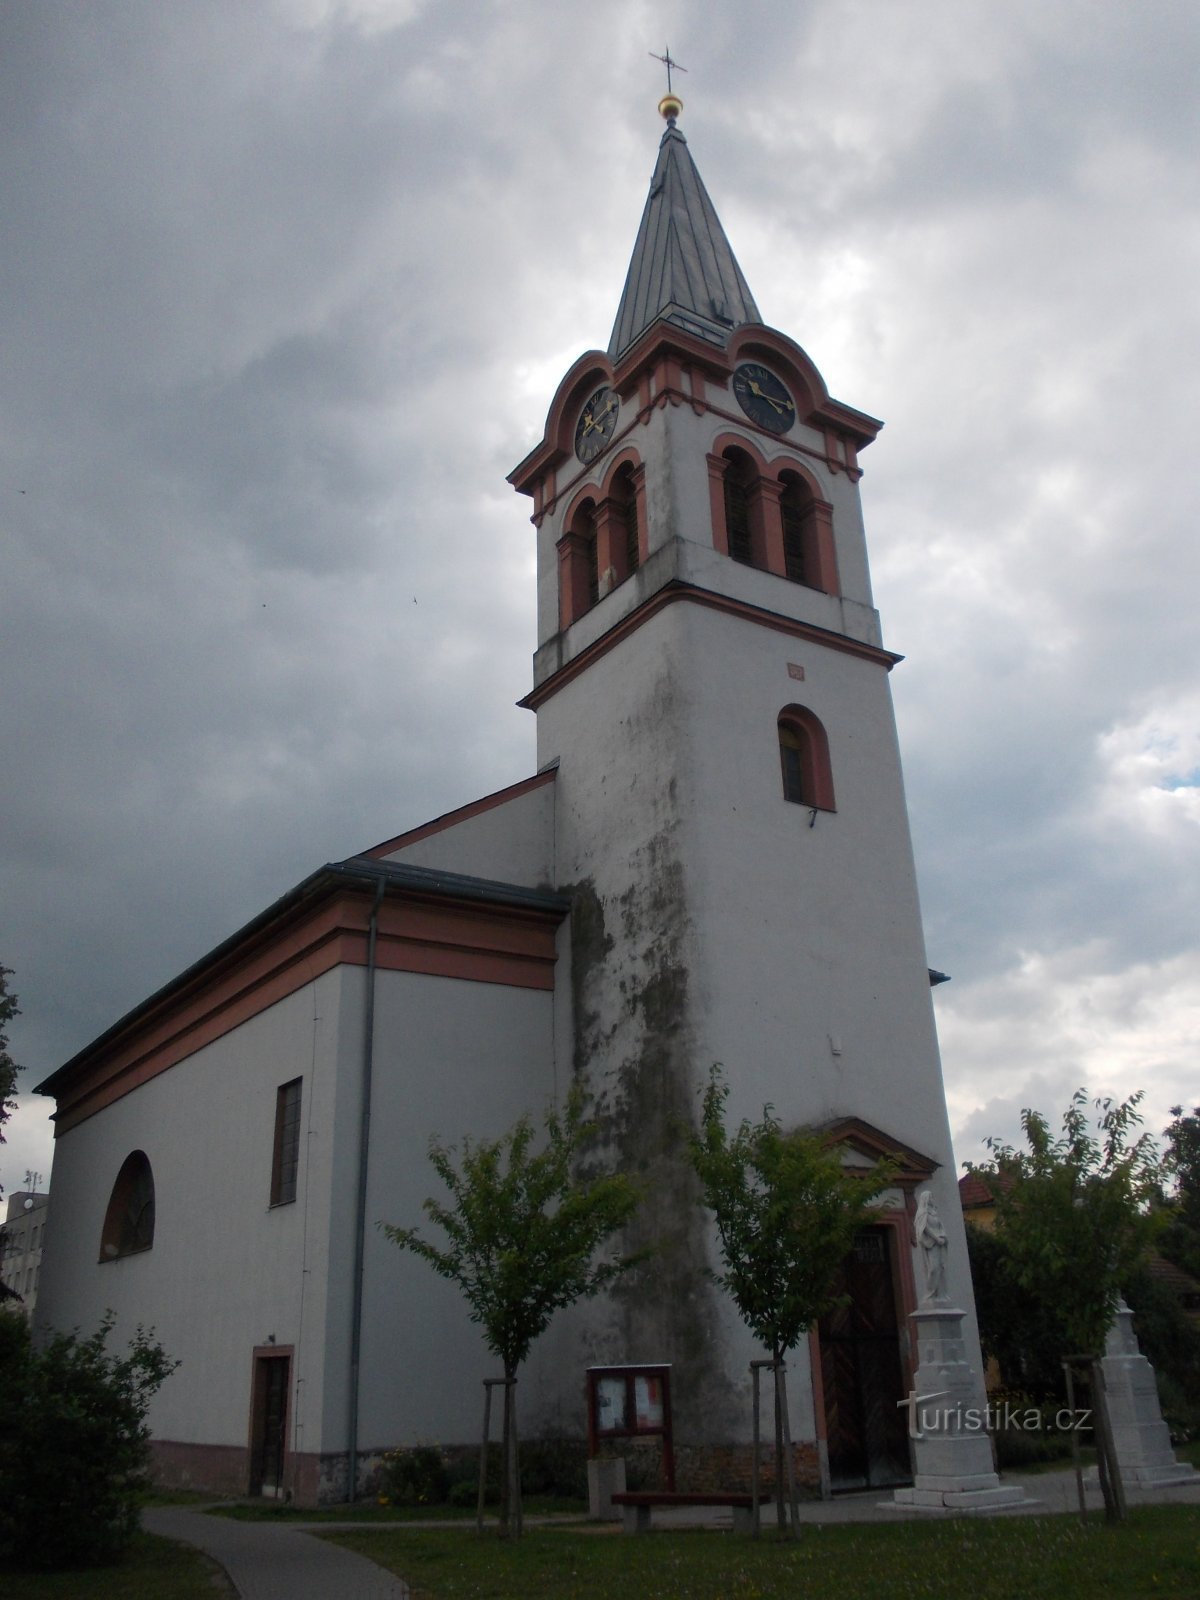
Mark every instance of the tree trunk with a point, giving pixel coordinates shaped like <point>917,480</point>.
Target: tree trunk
<point>776,1373</point>
<point>510,1498</point>
<point>793,1503</point>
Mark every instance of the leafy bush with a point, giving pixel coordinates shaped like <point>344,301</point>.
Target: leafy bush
<point>414,1477</point>
<point>73,1444</point>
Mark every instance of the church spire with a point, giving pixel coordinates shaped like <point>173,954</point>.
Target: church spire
<point>682,270</point>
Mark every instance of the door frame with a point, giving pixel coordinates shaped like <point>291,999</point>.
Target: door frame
<point>261,1356</point>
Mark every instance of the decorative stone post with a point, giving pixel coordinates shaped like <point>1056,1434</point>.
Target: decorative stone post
<point>1141,1437</point>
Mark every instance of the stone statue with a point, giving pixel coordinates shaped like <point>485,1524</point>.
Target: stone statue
<point>929,1233</point>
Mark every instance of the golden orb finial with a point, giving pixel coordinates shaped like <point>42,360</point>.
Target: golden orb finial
<point>670,107</point>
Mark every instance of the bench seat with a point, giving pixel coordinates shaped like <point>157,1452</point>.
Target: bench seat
<point>637,1504</point>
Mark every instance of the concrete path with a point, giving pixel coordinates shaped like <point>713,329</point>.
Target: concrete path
<point>272,1563</point>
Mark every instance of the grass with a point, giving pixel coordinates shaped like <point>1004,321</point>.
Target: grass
<point>1157,1553</point>
<point>366,1512</point>
<point>153,1569</point>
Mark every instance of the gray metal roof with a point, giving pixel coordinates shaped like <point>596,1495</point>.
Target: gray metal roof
<point>682,270</point>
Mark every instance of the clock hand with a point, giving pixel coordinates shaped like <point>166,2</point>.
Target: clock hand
<point>780,405</point>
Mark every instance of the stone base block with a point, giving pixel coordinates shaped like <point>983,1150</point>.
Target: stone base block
<point>1170,1477</point>
<point>961,1500</point>
<point>605,1477</point>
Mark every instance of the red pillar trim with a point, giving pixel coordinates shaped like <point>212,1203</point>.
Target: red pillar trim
<point>768,496</point>
<point>696,390</point>
<point>833,455</point>
<point>572,578</point>
<point>718,466</point>
<point>824,548</point>
<point>645,396</point>
<point>821,1427</point>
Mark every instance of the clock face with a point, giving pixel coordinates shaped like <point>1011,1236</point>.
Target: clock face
<point>763,398</point>
<point>597,424</point>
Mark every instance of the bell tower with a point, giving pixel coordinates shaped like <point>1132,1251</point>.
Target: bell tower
<point>712,686</point>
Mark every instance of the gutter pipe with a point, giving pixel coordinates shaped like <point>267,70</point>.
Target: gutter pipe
<point>360,1215</point>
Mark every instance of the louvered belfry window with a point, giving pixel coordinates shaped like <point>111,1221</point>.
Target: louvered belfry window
<point>793,507</point>
<point>739,478</point>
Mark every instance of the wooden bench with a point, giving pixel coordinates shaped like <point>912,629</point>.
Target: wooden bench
<point>637,1505</point>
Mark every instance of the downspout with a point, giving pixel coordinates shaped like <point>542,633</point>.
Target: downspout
<point>360,1215</point>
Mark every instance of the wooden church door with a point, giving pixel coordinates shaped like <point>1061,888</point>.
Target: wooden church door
<point>861,1372</point>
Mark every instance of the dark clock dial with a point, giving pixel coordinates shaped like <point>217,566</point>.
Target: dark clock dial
<point>597,424</point>
<point>763,398</point>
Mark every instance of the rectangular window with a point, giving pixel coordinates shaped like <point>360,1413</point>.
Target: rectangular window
<point>286,1158</point>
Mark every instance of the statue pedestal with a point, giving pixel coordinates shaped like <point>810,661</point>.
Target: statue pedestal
<point>952,1454</point>
<point>1141,1437</point>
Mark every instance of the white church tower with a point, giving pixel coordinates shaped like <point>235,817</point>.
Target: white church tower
<point>712,686</point>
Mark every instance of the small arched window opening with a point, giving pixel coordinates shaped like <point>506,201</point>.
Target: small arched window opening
<point>129,1220</point>
<point>586,528</point>
<point>799,530</point>
<point>578,565</point>
<point>740,483</point>
<point>625,513</point>
<point>804,759</point>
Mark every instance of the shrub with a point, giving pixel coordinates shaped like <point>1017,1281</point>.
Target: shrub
<point>73,1444</point>
<point>414,1477</point>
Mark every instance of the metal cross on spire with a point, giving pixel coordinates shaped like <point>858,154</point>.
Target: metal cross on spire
<point>668,63</point>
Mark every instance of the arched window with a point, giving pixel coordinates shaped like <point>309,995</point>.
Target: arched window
<point>740,482</point>
<point>625,513</point>
<point>585,527</point>
<point>796,509</point>
<point>804,759</point>
<point>578,565</point>
<point>129,1220</point>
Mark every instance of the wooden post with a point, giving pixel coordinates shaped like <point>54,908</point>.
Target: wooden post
<point>1071,1407</point>
<point>1110,1468</point>
<point>755,1521</point>
<point>793,1503</point>
<point>488,1385</point>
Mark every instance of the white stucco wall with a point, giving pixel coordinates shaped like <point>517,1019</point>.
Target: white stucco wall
<point>226,1270</point>
<point>511,842</point>
<point>452,1059</point>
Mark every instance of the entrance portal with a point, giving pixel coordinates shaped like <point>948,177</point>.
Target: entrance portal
<point>269,1425</point>
<point>861,1373</point>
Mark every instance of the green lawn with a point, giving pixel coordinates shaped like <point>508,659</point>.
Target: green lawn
<point>154,1569</point>
<point>1157,1553</point>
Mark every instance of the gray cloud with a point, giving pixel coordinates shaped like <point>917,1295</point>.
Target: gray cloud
<point>289,287</point>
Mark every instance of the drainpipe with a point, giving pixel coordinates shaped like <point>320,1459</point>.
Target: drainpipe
<point>360,1214</point>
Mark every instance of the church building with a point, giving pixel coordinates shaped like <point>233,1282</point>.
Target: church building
<point>711,863</point>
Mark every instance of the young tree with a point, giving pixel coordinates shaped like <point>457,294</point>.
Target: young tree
<point>522,1229</point>
<point>786,1212</point>
<point>1075,1216</point>
<point>73,1443</point>
<point>8,1067</point>
<point>1075,1213</point>
<point>1181,1164</point>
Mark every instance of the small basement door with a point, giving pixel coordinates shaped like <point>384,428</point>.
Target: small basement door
<point>269,1431</point>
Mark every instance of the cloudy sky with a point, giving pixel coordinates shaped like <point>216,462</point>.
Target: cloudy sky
<point>287,288</point>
